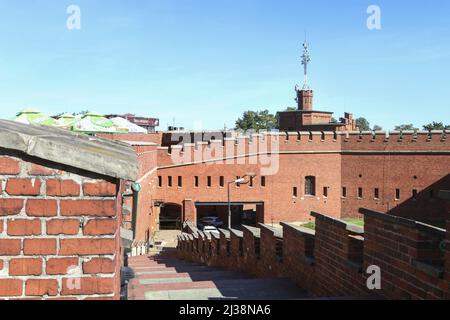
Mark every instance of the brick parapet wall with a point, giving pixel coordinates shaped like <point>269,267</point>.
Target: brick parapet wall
<point>409,254</point>
<point>137,137</point>
<point>306,142</point>
<point>333,260</point>
<point>59,231</point>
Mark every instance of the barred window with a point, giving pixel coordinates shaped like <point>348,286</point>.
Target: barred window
<point>310,186</point>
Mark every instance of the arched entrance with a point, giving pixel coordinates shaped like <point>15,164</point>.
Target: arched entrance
<point>170,217</point>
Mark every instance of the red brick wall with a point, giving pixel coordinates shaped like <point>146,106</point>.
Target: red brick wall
<point>52,218</point>
<point>352,162</point>
<point>333,260</point>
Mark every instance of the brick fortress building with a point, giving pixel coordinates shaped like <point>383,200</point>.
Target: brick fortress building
<point>313,165</point>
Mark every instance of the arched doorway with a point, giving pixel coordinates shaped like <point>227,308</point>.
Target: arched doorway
<point>170,217</point>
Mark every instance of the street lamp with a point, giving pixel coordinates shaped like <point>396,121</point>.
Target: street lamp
<point>237,181</point>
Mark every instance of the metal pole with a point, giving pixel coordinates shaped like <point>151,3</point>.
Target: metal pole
<point>229,206</point>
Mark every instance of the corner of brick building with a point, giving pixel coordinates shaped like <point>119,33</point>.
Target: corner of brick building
<point>60,231</point>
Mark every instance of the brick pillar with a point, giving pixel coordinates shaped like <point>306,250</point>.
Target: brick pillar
<point>189,210</point>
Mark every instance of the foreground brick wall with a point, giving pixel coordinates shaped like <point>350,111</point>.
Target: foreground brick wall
<point>333,260</point>
<point>59,231</point>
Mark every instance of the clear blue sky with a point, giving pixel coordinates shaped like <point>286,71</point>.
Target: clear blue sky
<point>204,62</point>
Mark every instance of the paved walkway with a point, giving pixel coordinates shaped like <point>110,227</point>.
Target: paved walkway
<point>162,276</point>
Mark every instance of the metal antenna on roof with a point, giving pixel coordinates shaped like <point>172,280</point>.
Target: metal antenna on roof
<point>306,58</point>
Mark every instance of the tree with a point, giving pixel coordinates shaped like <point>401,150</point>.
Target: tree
<point>406,127</point>
<point>436,126</point>
<point>256,120</point>
<point>290,109</point>
<point>363,124</point>
<point>83,112</point>
<point>377,128</point>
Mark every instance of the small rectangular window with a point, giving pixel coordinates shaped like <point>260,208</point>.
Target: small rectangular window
<point>360,193</point>
<point>180,181</point>
<point>344,192</point>
<point>397,194</point>
<point>376,193</point>
<point>196,181</point>
<point>325,192</point>
<point>169,181</point>
<point>222,181</point>
<point>251,182</point>
<point>238,184</point>
<point>310,186</point>
<point>209,181</point>
<point>294,192</point>
<point>159,181</point>
<point>263,181</point>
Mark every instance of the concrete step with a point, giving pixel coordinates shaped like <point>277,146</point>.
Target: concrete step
<point>164,277</point>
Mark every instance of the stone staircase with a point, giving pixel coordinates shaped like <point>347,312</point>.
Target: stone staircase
<point>162,276</point>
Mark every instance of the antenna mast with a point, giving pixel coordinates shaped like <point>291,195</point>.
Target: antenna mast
<point>306,58</point>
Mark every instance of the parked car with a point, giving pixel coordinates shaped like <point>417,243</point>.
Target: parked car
<point>211,221</point>
<point>211,230</point>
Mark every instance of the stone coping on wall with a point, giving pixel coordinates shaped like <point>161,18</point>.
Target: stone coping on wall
<point>278,233</point>
<point>255,231</point>
<point>106,157</point>
<point>305,232</point>
<point>226,233</point>
<point>403,221</point>
<point>237,233</point>
<point>339,223</point>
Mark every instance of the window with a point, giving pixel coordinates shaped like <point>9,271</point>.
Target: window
<point>344,192</point>
<point>238,184</point>
<point>325,192</point>
<point>222,181</point>
<point>397,194</point>
<point>196,181</point>
<point>251,182</point>
<point>376,193</point>
<point>169,181</point>
<point>294,192</point>
<point>414,194</point>
<point>208,181</point>
<point>310,186</point>
<point>159,181</point>
<point>263,181</point>
<point>180,181</point>
<point>360,193</point>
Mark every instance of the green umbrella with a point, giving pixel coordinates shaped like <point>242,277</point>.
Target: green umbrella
<point>93,122</point>
<point>65,121</point>
<point>33,116</point>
